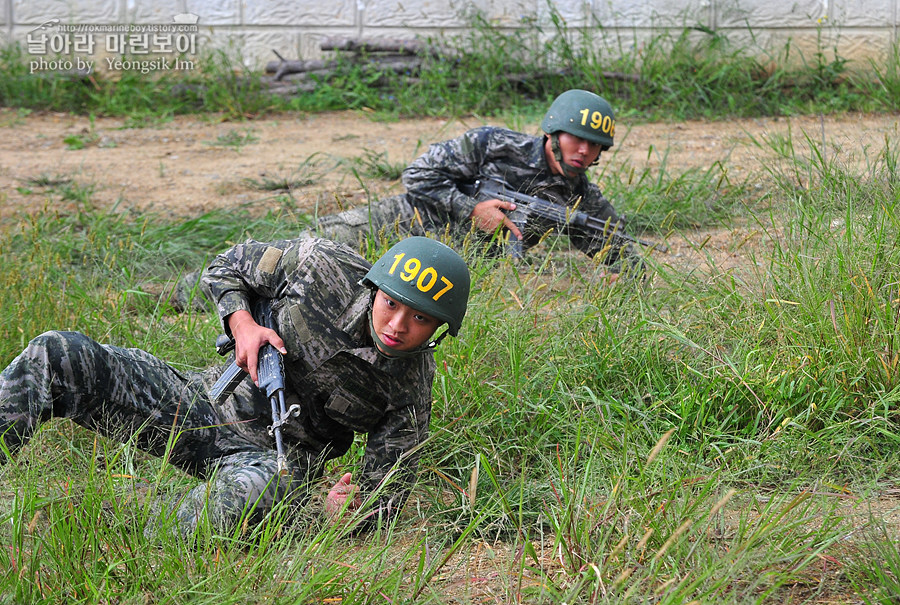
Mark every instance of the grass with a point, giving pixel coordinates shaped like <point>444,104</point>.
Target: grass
<point>309,171</point>
<point>235,139</point>
<point>376,165</point>
<point>709,435</point>
<point>702,437</point>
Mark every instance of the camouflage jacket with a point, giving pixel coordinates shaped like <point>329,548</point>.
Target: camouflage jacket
<point>489,152</point>
<point>332,368</point>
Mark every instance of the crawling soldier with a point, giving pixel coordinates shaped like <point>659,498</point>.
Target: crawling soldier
<point>578,126</point>
<point>357,341</point>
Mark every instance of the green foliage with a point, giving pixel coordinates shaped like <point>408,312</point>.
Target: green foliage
<point>309,171</point>
<point>887,80</point>
<point>235,139</point>
<point>692,437</point>
<point>659,199</point>
<point>486,70</point>
<point>877,565</point>
<point>376,165</point>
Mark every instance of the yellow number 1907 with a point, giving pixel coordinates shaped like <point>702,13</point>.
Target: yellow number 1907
<point>427,278</point>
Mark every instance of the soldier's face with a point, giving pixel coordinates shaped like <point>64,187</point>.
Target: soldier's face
<point>576,152</point>
<point>399,326</point>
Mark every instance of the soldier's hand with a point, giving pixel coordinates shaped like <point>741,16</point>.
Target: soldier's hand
<point>338,496</point>
<point>249,337</point>
<point>609,278</point>
<point>488,216</point>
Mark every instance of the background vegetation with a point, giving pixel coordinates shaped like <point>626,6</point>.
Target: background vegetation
<point>708,436</point>
<point>697,74</point>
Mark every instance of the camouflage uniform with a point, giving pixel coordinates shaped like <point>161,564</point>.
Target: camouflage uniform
<point>433,201</point>
<point>343,385</point>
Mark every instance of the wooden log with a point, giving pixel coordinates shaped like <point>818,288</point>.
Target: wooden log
<point>397,56</point>
<point>382,45</point>
<point>283,66</point>
<point>397,64</point>
<point>280,68</point>
<point>372,45</point>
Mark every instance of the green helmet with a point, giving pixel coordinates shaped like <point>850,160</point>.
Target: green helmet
<point>426,275</point>
<point>583,114</point>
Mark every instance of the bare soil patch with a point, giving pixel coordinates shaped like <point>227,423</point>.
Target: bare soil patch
<point>190,165</point>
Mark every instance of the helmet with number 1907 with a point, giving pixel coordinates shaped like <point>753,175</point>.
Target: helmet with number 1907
<point>426,275</point>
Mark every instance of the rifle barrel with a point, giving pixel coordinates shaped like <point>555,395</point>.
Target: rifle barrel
<point>278,418</point>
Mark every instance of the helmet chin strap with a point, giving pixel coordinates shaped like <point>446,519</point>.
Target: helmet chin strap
<point>392,353</point>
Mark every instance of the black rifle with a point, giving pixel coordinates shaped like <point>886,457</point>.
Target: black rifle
<point>561,216</point>
<point>270,370</point>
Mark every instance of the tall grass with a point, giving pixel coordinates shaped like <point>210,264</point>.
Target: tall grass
<point>704,435</point>
<point>215,86</point>
<point>690,438</point>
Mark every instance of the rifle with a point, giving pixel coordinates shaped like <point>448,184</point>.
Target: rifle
<point>561,216</point>
<point>271,379</point>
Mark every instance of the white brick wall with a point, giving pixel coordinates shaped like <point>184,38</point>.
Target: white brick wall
<point>861,29</point>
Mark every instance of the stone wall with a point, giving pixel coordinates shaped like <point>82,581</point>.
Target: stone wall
<point>859,29</point>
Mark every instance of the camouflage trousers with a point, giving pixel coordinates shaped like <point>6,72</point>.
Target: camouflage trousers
<point>128,394</point>
<point>390,217</point>
<point>395,218</point>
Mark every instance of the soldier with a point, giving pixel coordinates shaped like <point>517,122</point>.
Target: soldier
<point>357,346</point>
<point>578,127</point>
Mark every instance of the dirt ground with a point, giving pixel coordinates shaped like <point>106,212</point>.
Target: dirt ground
<point>189,165</point>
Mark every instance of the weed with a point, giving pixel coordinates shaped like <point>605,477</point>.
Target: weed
<point>277,183</point>
<point>235,139</point>
<point>376,165</point>
<point>306,173</point>
<point>48,181</point>
<point>74,141</point>
<point>14,119</point>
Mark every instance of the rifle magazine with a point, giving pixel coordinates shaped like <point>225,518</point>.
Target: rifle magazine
<point>226,384</point>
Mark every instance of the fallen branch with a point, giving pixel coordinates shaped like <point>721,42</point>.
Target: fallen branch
<point>284,66</point>
<point>380,45</point>
<point>396,64</point>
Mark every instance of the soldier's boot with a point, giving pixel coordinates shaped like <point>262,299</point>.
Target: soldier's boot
<point>241,490</point>
<point>191,293</point>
